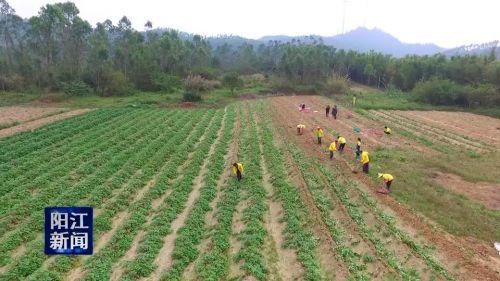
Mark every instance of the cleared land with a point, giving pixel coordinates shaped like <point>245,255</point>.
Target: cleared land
<point>168,208</point>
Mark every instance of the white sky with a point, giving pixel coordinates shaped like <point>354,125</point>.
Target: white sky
<point>448,23</point>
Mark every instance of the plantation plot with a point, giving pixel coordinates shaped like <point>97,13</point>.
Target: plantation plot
<point>167,207</point>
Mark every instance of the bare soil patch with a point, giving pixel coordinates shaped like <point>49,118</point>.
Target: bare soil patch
<point>482,192</point>
<point>480,127</point>
<point>31,125</point>
<point>20,114</point>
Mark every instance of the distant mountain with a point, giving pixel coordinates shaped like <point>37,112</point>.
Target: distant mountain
<point>483,49</point>
<point>364,40</point>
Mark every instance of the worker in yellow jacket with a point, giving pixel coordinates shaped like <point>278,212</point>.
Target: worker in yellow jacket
<point>319,134</point>
<point>365,160</point>
<point>238,170</point>
<point>300,129</point>
<point>332,148</point>
<point>387,130</point>
<point>342,141</point>
<point>387,180</point>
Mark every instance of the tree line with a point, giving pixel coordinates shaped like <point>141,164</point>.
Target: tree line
<point>58,50</point>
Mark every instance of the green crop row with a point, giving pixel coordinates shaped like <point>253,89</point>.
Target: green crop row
<point>121,152</point>
<point>100,263</point>
<point>190,235</point>
<point>297,236</point>
<point>144,264</point>
<point>254,233</point>
<point>214,264</point>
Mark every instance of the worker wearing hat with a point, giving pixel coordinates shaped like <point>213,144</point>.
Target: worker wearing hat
<point>387,180</point>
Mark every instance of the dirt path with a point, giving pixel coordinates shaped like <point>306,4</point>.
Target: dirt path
<point>483,265</point>
<point>164,257</point>
<point>283,261</point>
<point>31,125</point>
<point>14,115</point>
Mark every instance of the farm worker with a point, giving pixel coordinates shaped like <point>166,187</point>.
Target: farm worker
<point>387,130</point>
<point>238,170</point>
<point>387,180</point>
<point>303,106</point>
<point>365,160</point>
<point>300,129</point>
<point>358,149</point>
<point>353,101</point>
<point>342,141</point>
<point>332,148</point>
<point>327,110</point>
<point>319,134</point>
<point>335,111</point>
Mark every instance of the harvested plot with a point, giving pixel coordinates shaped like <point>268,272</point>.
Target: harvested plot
<point>166,206</point>
<point>20,119</point>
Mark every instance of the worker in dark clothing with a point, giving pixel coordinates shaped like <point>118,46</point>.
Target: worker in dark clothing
<point>327,110</point>
<point>358,149</point>
<point>335,111</point>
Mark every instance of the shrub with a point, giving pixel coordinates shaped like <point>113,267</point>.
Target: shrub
<point>166,82</point>
<point>199,84</point>
<point>12,82</point>
<point>75,88</point>
<point>336,85</point>
<point>232,81</point>
<point>208,73</point>
<point>253,79</point>
<point>191,97</point>
<point>438,91</point>
<point>116,84</point>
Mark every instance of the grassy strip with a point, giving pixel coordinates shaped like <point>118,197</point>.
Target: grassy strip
<point>297,236</point>
<point>152,243</point>
<point>190,235</point>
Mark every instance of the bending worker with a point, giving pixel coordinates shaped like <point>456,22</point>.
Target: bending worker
<point>387,130</point>
<point>332,148</point>
<point>342,141</point>
<point>319,134</point>
<point>365,160</point>
<point>300,129</point>
<point>238,170</point>
<point>387,180</point>
<point>327,110</point>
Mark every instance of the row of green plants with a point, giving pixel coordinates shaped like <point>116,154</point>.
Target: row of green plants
<point>21,158</point>
<point>136,174</point>
<point>118,154</point>
<point>81,153</point>
<point>194,230</point>
<point>214,263</point>
<point>125,183</point>
<point>51,134</point>
<point>52,191</point>
<point>30,194</point>
<point>101,264</point>
<point>254,233</point>
<point>144,263</point>
<point>297,233</point>
<point>353,211</point>
<point>434,133</point>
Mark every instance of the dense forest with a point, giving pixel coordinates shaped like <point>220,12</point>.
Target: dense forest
<point>59,51</point>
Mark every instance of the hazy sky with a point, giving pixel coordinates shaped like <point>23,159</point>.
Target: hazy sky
<point>448,23</point>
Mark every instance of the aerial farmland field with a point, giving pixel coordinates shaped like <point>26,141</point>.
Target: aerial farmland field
<point>167,207</point>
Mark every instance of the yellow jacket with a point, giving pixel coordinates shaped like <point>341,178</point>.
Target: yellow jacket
<point>319,133</point>
<point>387,130</point>
<point>333,146</point>
<point>364,157</point>
<point>342,140</point>
<point>387,177</point>
<point>240,167</point>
